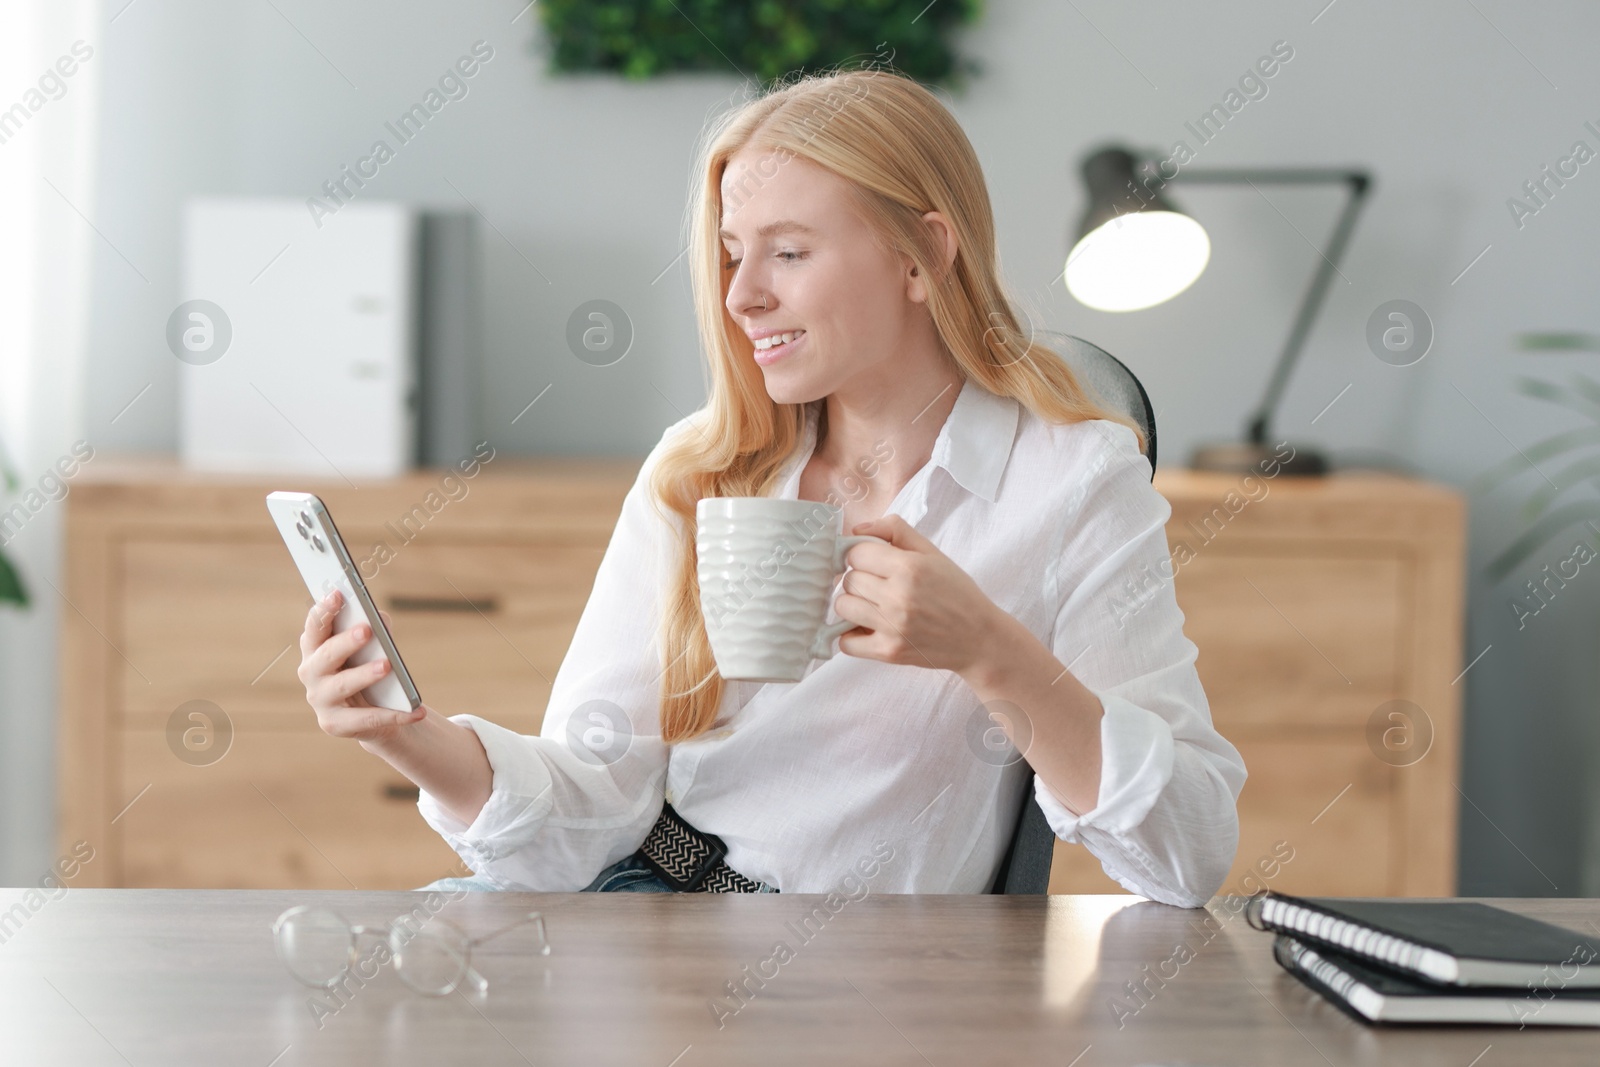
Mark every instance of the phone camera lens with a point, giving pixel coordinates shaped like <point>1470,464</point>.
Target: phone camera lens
<point>305,517</point>
<point>301,530</point>
<point>316,543</point>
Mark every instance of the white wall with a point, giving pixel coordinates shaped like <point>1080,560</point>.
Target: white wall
<point>45,178</point>
<point>587,176</point>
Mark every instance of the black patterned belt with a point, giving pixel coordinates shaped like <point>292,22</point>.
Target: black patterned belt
<point>690,861</point>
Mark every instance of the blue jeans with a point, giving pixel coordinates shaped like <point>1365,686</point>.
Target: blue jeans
<point>628,875</point>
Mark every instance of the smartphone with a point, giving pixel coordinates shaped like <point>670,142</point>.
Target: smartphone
<point>326,564</point>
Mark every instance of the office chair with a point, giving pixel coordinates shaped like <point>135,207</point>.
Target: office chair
<point>1025,868</point>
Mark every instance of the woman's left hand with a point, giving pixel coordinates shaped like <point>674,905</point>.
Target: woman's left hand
<point>910,602</point>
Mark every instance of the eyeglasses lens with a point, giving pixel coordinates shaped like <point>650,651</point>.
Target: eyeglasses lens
<point>315,946</point>
<point>429,961</point>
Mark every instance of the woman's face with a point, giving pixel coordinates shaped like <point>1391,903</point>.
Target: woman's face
<point>796,241</point>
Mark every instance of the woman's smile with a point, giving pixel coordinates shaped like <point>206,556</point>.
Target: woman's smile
<point>768,356</point>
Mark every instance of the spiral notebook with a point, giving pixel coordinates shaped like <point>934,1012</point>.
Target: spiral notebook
<point>1374,995</point>
<point>1453,942</point>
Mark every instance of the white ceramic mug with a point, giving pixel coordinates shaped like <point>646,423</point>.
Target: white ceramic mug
<point>766,570</point>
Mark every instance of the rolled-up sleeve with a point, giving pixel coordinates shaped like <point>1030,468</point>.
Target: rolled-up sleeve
<point>1165,824</point>
<point>585,791</point>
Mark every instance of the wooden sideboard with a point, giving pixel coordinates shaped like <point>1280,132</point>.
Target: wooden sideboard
<point>1315,603</point>
<point>182,591</point>
<point>1312,604</point>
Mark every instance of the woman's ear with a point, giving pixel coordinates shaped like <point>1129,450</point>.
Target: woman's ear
<point>916,290</point>
<point>947,234</point>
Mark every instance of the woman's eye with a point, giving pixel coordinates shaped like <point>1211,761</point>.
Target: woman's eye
<point>732,263</point>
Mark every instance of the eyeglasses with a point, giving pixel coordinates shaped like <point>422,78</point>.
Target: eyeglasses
<point>319,947</point>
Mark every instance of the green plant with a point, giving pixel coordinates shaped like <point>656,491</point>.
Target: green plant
<point>11,588</point>
<point>763,38</point>
<point>1582,444</point>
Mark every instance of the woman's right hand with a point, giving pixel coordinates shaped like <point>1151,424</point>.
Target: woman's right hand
<point>333,690</point>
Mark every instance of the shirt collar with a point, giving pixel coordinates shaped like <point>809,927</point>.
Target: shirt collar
<point>975,441</point>
<point>973,446</point>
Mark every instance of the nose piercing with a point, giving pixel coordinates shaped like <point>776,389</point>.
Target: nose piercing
<point>763,301</point>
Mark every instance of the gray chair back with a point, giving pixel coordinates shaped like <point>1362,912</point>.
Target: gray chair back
<point>1025,868</point>
<point>1114,385</point>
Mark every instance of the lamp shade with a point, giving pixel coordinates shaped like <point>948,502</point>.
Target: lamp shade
<point>1134,249</point>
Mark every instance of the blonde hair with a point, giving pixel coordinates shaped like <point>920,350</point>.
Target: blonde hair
<point>904,155</point>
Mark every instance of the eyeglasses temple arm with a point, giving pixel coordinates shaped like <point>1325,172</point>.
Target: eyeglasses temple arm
<point>479,982</point>
<point>534,917</point>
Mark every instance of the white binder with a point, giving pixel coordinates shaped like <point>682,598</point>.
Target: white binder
<point>319,371</point>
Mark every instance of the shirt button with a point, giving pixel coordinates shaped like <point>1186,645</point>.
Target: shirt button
<point>671,798</point>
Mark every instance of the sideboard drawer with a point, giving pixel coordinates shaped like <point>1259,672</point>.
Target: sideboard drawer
<point>202,619</point>
<point>1294,640</point>
<point>282,808</point>
<point>482,627</point>
<point>1332,804</point>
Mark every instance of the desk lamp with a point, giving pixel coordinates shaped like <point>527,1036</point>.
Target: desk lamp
<point>1135,249</point>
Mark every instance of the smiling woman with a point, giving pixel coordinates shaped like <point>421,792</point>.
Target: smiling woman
<point>853,320</point>
<point>855,230</point>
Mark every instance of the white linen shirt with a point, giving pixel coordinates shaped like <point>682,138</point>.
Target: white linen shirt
<point>806,782</point>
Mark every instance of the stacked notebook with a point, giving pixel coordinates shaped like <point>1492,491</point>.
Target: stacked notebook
<point>1434,962</point>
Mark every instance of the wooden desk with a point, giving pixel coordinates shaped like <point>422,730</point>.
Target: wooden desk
<point>190,977</point>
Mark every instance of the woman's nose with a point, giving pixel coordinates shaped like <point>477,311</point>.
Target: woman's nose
<point>745,297</point>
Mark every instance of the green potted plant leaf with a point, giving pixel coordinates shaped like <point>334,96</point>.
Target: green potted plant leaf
<point>11,588</point>
<point>1580,450</point>
<point>641,39</point>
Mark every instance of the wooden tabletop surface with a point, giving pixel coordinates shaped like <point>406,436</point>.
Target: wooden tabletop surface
<point>167,977</point>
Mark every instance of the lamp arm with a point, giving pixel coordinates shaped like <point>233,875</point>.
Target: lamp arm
<point>1309,306</point>
<point>1358,183</point>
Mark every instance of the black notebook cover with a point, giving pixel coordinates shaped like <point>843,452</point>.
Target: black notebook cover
<point>1371,994</point>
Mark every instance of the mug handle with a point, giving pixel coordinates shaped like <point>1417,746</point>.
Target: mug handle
<point>822,648</point>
